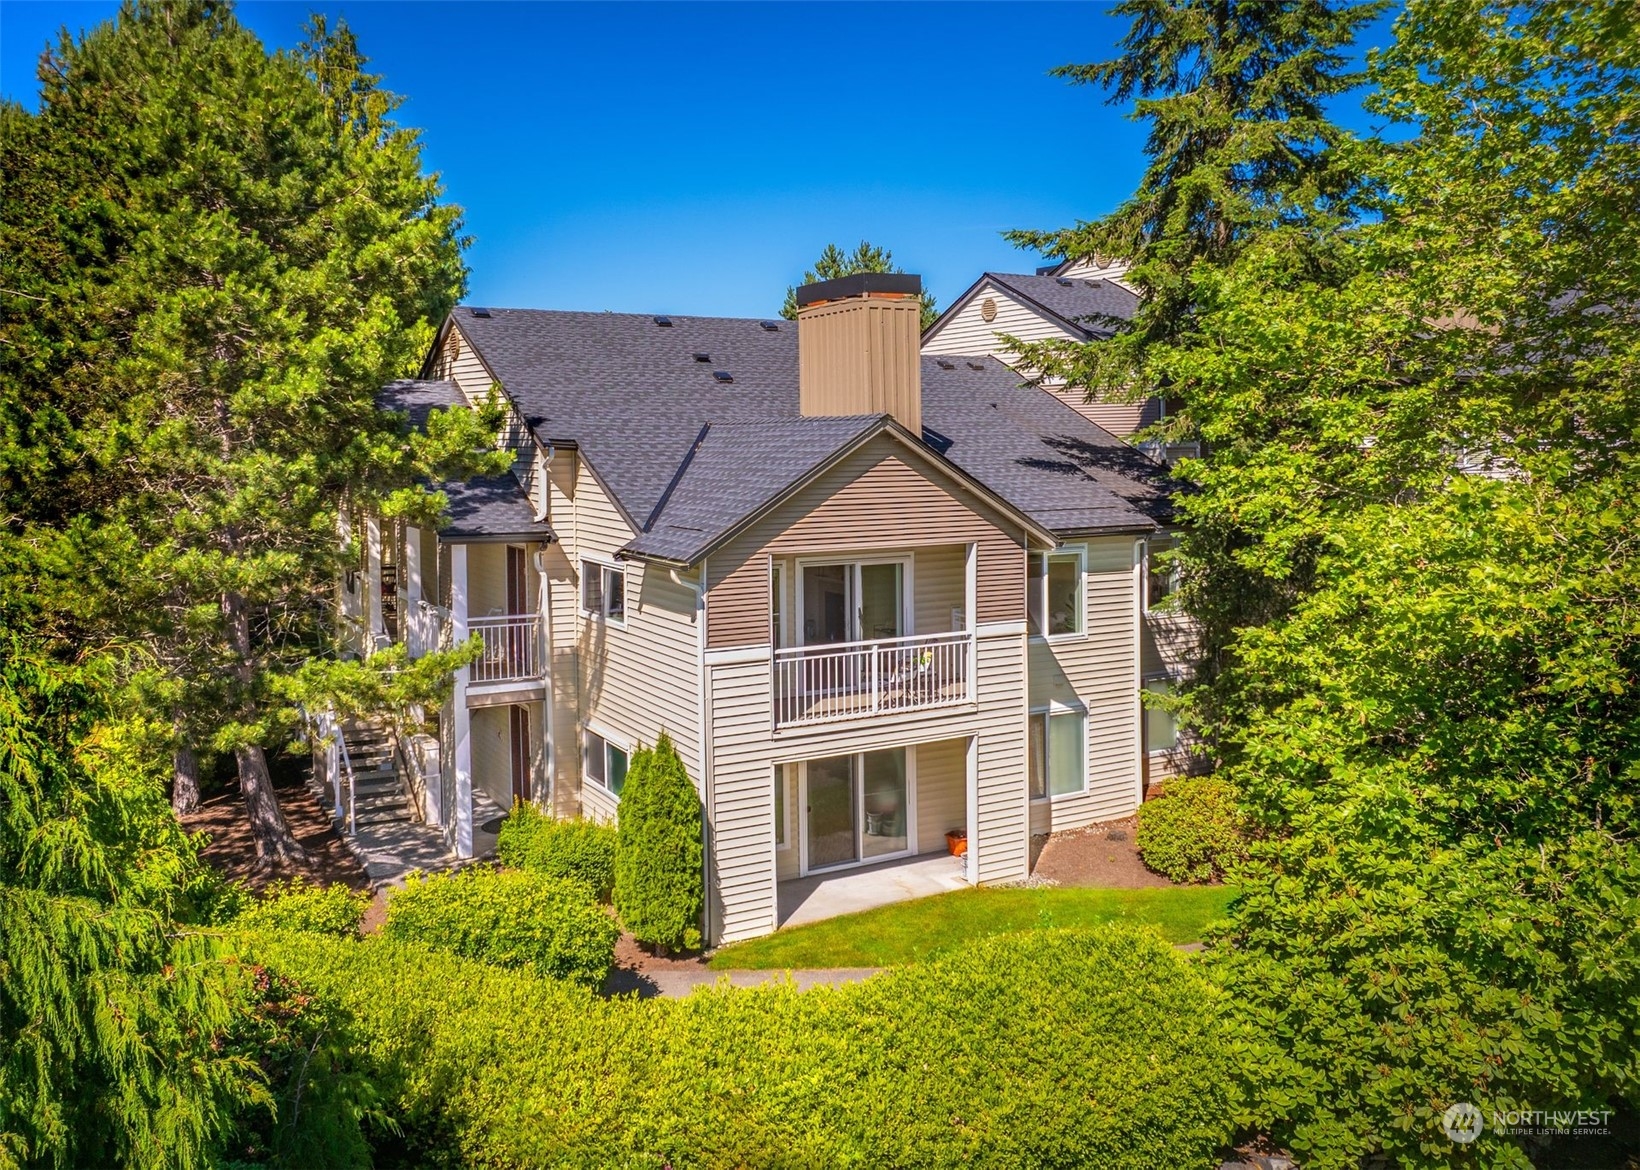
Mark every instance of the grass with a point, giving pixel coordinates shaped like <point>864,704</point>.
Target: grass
<point>909,932</point>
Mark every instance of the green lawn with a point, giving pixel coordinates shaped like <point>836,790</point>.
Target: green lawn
<point>907,932</point>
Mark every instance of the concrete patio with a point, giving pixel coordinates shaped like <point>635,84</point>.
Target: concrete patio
<point>827,895</point>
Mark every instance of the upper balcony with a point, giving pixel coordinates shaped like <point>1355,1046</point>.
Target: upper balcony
<point>512,649</point>
<point>832,682</point>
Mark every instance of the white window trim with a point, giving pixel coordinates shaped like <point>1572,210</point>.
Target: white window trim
<point>1160,676</point>
<point>783,818</point>
<point>1145,604</point>
<point>619,742</point>
<point>908,589</point>
<point>1050,709</point>
<point>580,599</point>
<point>1080,552</point>
<point>801,824</point>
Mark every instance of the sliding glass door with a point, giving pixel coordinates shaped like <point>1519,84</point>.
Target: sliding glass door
<point>855,601</point>
<point>857,808</point>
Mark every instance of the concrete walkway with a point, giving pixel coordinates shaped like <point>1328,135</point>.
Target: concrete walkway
<point>826,895</point>
<point>393,849</point>
<point>674,983</point>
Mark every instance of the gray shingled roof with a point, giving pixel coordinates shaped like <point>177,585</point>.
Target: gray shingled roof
<point>492,507</point>
<point>689,457</point>
<point>1087,303</point>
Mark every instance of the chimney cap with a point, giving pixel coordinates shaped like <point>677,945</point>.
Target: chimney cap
<point>860,284</point>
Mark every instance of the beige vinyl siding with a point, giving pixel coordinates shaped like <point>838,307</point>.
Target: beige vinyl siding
<point>871,500</point>
<point>939,578</point>
<point>1097,673</point>
<point>942,792</point>
<point>563,599</point>
<point>744,747</point>
<point>642,678</point>
<point>1095,268</point>
<point>967,333</point>
<point>492,753</point>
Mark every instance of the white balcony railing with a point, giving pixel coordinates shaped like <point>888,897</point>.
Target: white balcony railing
<point>424,627</point>
<point>851,680</point>
<point>511,650</point>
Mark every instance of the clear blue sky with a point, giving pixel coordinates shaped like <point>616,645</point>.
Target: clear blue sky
<point>695,158</point>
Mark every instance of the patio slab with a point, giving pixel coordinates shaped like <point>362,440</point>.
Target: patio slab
<point>827,895</point>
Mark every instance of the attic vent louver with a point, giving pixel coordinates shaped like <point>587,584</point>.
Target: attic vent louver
<point>770,326</point>
<point>703,357</point>
<point>976,365</point>
<point>485,313</point>
<point>945,365</point>
<point>664,322</point>
<point>723,375</point>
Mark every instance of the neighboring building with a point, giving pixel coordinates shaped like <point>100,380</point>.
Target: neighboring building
<point>873,595</point>
<point>1075,300</point>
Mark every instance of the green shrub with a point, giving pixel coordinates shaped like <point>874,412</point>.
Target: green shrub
<point>509,918</point>
<point>1193,832</point>
<point>1068,1048</point>
<point>298,904</point>
<point>579,849</point>
<point>659,879</point>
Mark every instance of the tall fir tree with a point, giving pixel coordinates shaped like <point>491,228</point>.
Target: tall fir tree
<point>238,250</point>
<point>834,264</point>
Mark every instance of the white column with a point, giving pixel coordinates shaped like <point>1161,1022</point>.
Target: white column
<point>549,746</point>
<point>373,579</point>
<point>461,721</point>
<point>412,565</point>
<point>972,772</point>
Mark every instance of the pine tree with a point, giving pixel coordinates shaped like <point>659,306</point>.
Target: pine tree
<point>239,249</point>
<point>834,264</point>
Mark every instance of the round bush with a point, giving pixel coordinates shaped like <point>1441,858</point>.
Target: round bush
<point>298,904</point>
<point>1193,832</point>
<point>509,918</point>
<point>578,849</point>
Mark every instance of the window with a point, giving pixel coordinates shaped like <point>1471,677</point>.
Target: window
<point>780,807</point>
<point>1055,753</point>
<point>777,590</point>
<point>1054,597</point>
<point>1161,573</point>
<point>605,763</point>
<point>603,591</point>
<point>1161,727</point>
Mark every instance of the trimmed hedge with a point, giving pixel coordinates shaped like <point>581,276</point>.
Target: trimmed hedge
<point>298,904</point>
<point>578,849</point>
<point>1065,1048</point>
<point>508,918</point>
<point>1194,831</point>
<point>660,882</point>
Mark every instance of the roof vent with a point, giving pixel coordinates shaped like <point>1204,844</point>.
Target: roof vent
<point>944,364</point>
<point>723,375</point>
<point>664,322</point>
<point>770,326</point>
<point>485,313</point>
<point>703,357</point>
<point>976,365</point>
<point>1065,280</point>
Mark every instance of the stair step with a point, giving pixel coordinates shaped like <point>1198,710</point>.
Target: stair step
<point>380,817</point>
<point>373,773</point>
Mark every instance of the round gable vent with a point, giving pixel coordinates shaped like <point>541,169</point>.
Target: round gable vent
<point>988,310</point>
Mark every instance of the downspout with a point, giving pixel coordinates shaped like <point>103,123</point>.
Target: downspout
<point>705,723</point>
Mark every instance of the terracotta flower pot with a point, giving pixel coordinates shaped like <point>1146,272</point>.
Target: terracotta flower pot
<point>956,840</point>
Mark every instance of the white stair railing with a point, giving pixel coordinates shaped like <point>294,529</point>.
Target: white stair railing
<point>851,680</point>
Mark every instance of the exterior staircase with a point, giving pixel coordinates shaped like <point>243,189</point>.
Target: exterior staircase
<point>378,793</point>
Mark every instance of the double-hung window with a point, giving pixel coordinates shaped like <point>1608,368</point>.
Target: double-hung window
<point>1161,726</point>
<point>603,592</point>
<point>1054,594</point>
<point>1057,752</point>
<point>1161,573</point>
<point>605,763</point>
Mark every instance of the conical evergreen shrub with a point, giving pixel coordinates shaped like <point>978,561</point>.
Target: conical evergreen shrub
<point>659,877</point>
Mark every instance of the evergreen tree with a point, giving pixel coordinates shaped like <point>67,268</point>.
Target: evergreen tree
<point>239,249</point>
<point>834,264</point>
<point>109,1012</point>
<point>659,854</point>
<point>1233,93</point>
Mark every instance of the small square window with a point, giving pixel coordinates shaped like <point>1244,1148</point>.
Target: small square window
<point>605,763</point>
<point>603,591</point>
<point>1161,727</point>
<point>1161,574</point>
